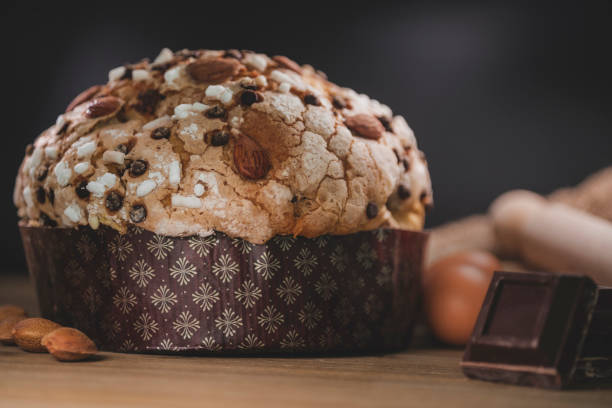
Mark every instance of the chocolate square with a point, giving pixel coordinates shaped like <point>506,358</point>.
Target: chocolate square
<point>531,329</point>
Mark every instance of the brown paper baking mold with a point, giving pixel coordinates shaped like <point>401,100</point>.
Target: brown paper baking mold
<point>143,292</point>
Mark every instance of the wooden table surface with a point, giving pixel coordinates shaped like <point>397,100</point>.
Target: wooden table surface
<point>419,377</point>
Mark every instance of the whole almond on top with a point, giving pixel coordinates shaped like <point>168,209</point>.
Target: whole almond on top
<point>68,344</point>
<point>83,97</point>
<point>6,328</point>
<point>213,70</point>
<point>365,126</point>
<point>11,310</point>
<point>287,63</point>
<point>250,159</point>
<point>102,106</point>
<point>28,333</point>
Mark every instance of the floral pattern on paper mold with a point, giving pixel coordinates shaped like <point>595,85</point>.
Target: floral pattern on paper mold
<point>142,292</point>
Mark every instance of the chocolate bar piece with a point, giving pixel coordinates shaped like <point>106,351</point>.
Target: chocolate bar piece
<point>595,362</point>
<point>541,329</point>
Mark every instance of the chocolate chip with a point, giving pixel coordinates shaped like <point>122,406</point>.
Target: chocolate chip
<point>138,168</point>
<point>122,116</point>
<point>371,210</point>
<point>40,195</point>
<point>386,122</point>
<point>397,156</point>
<point>148,100</point>
<point>338,103</point>
<point>232,54</point>
<point>187,54</point>
<point>215,112</point>
<point>161,133</point>
<point>114,201</point>
<point>162,67</point>
<point>41,173</point>
<point>127,74</point>
<point>310,99</point>
<point>426,200</point>
<point>252,87</point>
<point>47,221</point>
<point>249,97</point>
<point>219,138</point>
<point>403,192</point>
<point>51,196</point>
<point>126,147</point>
<point>81,190</point>
<point>406,164</point>
<point>138,213</point>
<point>122,148</point>
<point>63,128</point>
<point>127,163</point>
<point>294,199</point>
<point>29,149</point>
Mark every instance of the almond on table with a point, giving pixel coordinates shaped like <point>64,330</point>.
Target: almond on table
<point>68,344</point>
<point>11,310</point>
<point>6,328</point>
<point>28,333</point>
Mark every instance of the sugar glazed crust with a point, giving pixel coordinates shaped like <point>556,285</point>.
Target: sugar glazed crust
<point>232,141</point>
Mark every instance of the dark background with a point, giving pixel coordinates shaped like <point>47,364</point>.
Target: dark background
<point>500,95</point>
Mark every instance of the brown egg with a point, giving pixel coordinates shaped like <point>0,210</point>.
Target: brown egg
<point>481,259</point>
<point>454,289</point>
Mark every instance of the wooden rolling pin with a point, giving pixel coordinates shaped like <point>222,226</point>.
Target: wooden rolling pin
<point>553,236</point>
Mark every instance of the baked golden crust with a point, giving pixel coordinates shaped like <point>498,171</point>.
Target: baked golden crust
<point>231,141</point>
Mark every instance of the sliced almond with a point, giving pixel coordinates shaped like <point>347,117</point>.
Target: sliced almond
<point>68,344</point>
<point>103,106</point>
<point>213,70</point>
<point>83,97</point>
<point>250,159</point>
<point>28,333</point>
<point>365,125</point>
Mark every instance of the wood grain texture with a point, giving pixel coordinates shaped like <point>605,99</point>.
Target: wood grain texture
<point>419,377</point>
